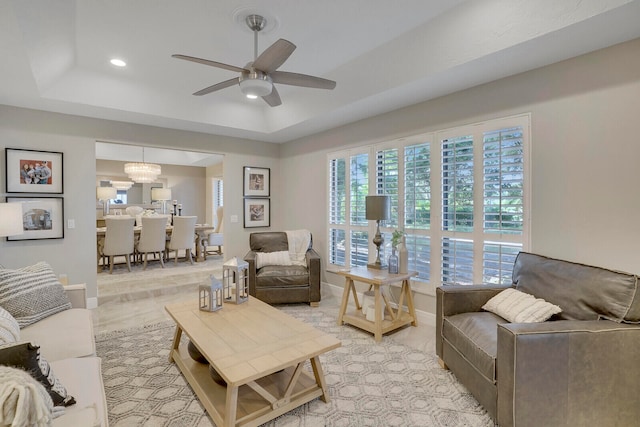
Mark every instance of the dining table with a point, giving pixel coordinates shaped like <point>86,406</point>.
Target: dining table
<point>200,239</point>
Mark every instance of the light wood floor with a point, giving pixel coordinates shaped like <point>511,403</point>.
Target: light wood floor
<point>138,298</point>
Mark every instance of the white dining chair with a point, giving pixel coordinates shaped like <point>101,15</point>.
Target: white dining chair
<point>215,237</point>
<point>182,237</point>
<point>152,238</point>
<point>118,240</point>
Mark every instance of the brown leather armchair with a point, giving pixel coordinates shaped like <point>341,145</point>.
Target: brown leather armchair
<point>276,284</point>
<point>579,368</point>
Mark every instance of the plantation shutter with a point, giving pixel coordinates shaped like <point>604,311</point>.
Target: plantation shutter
<point>503,201</point>
<point>337,210</point>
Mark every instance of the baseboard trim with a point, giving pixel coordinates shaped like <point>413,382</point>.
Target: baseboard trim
<point>424,317</point>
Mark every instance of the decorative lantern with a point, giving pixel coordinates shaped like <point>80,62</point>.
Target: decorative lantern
<point>235,277</point>
<point>211,296</point>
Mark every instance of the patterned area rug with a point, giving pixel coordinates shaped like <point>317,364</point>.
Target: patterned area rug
<point>384,384</point>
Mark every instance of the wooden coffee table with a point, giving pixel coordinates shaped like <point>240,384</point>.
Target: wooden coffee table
<point>259,351</point>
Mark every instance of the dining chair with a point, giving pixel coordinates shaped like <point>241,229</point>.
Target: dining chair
<point>183,236</point>
<point>152,238</point>
<point>215,237</point>
<point>118,240</point>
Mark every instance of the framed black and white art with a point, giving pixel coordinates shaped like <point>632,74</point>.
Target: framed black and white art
<point>31,171</point>
<point>42,218</point>
<point>257,182</point>
<point>257,213</point>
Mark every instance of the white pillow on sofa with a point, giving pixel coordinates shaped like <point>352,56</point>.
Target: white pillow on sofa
<point>518,307</point>
<point>272,258</point>
<point>9,328</point>
<point>32,293</point>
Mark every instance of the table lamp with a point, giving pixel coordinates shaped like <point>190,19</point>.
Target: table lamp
<point>11,224</point>
<point>378,208</point>
<point>161,194</point>
<point>105,194</point>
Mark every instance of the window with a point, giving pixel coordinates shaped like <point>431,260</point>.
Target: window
<point>457,183</point>
<point>348,232</point>
<point>460,195</point>
<point>219,193</point>
<point>483,201</point>
<point>337,211</point>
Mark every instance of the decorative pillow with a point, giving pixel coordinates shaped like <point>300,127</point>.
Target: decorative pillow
<point>27,356</point>
<point>9,328</point>
<point>272,258</point>
<point>518,307</point>
<point>32,293</point>
<point>23,400</point>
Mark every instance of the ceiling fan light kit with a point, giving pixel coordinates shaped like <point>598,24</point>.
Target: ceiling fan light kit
<point>255,84</point>
<point>257,77</point>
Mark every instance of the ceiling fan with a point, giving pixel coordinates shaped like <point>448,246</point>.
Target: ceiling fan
<point>257,77</point>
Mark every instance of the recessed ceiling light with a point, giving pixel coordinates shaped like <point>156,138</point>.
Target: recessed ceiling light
<point>118,62</point>
<point>251,96</point>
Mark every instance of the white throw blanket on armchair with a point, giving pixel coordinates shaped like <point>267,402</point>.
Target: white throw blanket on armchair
<point>299,241</point>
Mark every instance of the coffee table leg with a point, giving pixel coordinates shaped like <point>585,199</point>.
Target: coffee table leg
<point>319,374</point>
<point>231,406</point>
<point>176,342</point>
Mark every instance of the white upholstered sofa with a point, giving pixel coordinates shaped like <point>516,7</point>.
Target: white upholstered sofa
<point>66,340</point>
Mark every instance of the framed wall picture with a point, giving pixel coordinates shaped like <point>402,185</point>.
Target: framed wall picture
<point>42,218</point>
<point>31,171</point>
<point>257,213</point>
<point>257,182</point>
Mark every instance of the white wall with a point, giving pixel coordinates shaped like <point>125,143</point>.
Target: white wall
<point>75,254</point>
<point>585,172</point>
<point>75,137</point>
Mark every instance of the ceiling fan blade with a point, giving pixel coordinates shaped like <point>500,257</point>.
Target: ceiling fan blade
<point>304,80</point>
<point>217,86</point>
<point>209,62</point>
<point>274,56</point>
<point>273,99</point>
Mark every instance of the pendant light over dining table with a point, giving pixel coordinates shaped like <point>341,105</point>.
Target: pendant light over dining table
<point>142,172</point>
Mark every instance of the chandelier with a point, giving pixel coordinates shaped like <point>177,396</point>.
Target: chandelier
<point>141,171</point>
<point>122,185</point>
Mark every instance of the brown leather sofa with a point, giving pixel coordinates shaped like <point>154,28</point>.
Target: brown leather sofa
<point>277,284</point>
<point>578,368</point>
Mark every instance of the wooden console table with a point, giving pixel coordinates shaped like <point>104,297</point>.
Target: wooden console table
<point>376,278</point>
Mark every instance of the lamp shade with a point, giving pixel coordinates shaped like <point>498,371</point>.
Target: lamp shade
<point>11,223</point>
<point>378,207</point>
<point>106,193</point>
<point>160,194</point>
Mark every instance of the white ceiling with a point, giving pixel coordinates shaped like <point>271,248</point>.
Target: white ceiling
<point>132,153</point>
<point>383,55</point>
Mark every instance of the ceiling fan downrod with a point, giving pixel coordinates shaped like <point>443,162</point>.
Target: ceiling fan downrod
<point>256,23</point>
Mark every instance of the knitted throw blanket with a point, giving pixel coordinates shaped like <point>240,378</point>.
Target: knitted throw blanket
<point>299,241</point>
<point>24,402</point>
